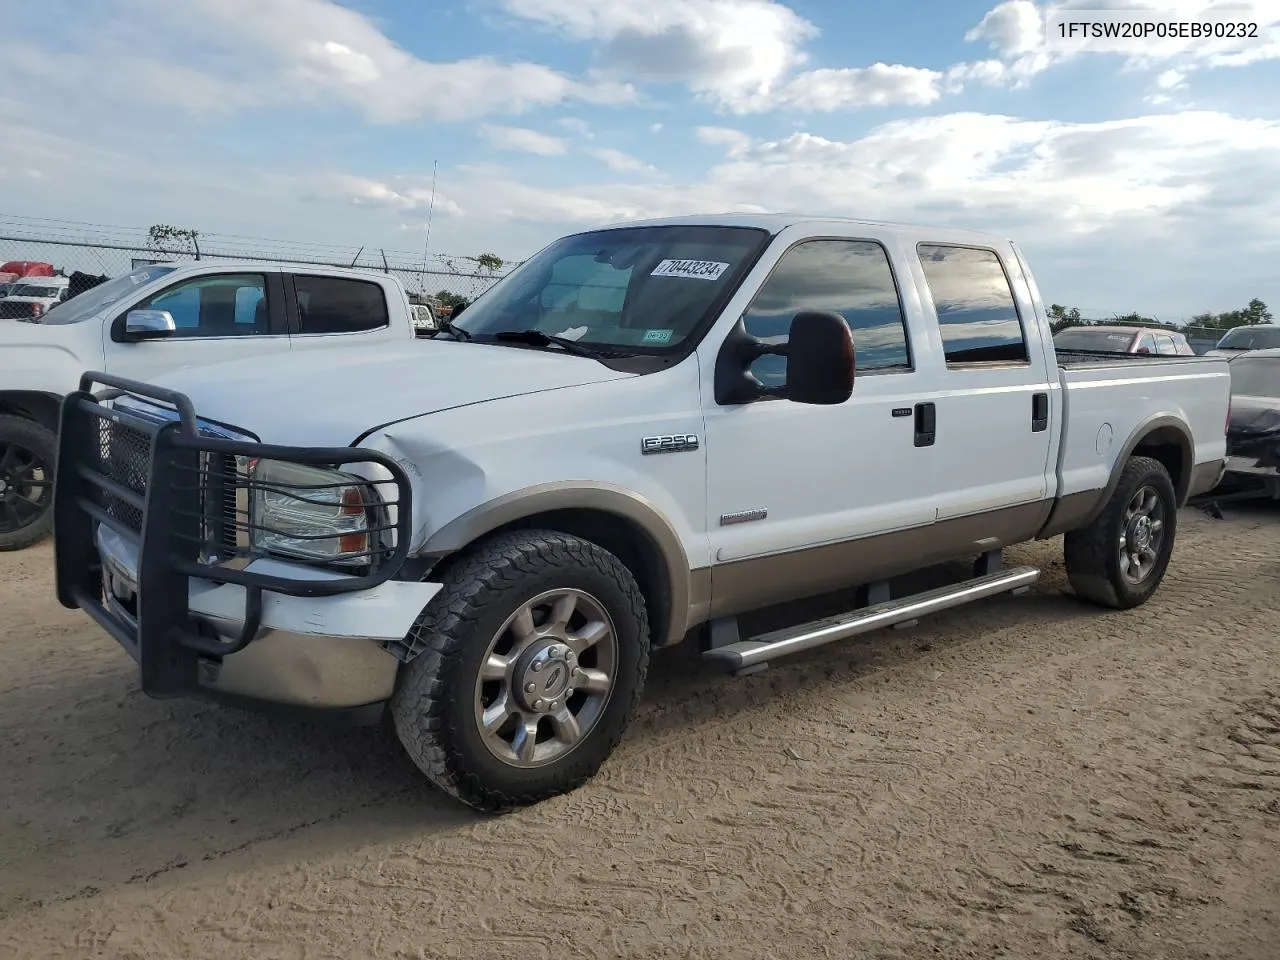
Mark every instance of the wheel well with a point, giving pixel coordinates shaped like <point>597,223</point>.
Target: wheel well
<point>1169,446</point>
<point>44,408</point>
<point>627,541</point>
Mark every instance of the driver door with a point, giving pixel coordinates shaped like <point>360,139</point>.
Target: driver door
<point>219,316</point>
<point>797,495</point>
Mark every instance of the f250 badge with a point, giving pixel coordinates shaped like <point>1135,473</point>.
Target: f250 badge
<point>674,443</point>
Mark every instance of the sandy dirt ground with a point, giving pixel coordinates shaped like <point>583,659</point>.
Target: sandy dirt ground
<point>1026,777</point>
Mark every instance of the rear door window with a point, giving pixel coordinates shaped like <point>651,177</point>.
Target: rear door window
<point>974,303</point>
<point>339,305</point>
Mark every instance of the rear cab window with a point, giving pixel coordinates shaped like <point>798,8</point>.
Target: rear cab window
<point>972,297</point>
<point>339,304</point>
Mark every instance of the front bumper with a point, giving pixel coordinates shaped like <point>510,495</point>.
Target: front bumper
<point>315,652</point>
<point>143,550</point>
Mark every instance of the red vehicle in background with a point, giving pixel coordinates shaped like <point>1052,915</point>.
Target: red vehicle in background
<point>21,269</point>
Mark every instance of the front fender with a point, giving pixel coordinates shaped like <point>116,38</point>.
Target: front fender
<point>579,495</point>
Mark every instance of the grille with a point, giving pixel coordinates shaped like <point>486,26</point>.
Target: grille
<point>16,310</point>
<point>124,455</point>
<point>224,506</point>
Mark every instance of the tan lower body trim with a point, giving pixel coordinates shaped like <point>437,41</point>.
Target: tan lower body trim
<point>759,582</point>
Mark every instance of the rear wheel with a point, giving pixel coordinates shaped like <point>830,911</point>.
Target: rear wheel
<point>27,455</point>
<point>1120,559</point>
<point>531,662</point>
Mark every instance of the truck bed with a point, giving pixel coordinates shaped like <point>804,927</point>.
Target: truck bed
<point>1107,398</point>
<point>1079,358</point>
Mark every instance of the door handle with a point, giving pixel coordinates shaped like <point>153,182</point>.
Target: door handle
<point>926,424</point>
<point>1039,412</point>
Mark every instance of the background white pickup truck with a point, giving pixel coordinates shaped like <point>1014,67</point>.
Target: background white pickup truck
<point>183,314</point>
<point>643,430</point>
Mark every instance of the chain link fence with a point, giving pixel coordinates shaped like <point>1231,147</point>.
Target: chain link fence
<point>107,257</point>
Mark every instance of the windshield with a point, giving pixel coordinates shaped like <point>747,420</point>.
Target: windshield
<point>641,289</point>
<point>95,299</point>
<point>1082,338</point>
<point>1255,377</point>
<point>34,290</point>
<point>1251,338</point>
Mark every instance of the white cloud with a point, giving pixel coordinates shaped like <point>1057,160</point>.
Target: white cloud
<point>878,85</point>
<point>1012,28</point>
<point>620,162</point>
<point>655,128</point>
<point>726,50</point>
<point>735,142</point>
<point>523,140</point>
<point>221,56</point>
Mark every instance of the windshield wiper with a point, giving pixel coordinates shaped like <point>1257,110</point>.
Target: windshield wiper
<point>536,338</point>
<point>446,326</point>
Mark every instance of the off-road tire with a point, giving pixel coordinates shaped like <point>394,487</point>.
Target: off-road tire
<point>433,705</point>
<point>1092,553</point>
<point>43,442</point>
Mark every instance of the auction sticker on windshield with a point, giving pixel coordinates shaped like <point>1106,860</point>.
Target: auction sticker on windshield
<point>693,269</point>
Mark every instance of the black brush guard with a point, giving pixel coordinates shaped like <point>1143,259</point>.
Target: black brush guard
<point>172,491</point>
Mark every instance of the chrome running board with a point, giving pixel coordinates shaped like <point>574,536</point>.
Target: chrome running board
<point>741,655</point>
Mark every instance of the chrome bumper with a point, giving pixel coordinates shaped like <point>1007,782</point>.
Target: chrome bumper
<point>316,652</point>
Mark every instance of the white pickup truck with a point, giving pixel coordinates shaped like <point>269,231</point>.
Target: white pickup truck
<point>640,434</point>
<point>156,320</point>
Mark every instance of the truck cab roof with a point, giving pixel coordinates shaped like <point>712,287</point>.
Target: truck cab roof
<point>777,222</point>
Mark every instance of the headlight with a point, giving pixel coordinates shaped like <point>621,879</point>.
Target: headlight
<point>311,513</point>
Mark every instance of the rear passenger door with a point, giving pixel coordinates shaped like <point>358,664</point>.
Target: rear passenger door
<point>326,311</point>
<point>993,435</point>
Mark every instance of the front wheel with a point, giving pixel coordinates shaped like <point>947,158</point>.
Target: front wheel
<point>532,660</point>
<point>27,454</point>
<point>1120,559</point>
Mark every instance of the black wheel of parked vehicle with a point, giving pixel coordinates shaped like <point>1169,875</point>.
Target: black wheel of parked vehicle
<point>27,455</point>
<point>1120,559</point>
<point>532,660</point>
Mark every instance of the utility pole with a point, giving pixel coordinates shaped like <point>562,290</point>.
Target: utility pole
<point>431,207</point>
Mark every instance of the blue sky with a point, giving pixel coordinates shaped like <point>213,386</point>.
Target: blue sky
<point>1137,181</point>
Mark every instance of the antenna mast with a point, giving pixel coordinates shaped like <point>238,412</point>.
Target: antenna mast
<point>431,208</point>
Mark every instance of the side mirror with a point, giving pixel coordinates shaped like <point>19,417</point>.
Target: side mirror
<point>820,362</point>
<point>148,324</point>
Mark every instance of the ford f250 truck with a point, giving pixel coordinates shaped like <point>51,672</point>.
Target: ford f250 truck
<point>636,437</point>
<point>159,319</point>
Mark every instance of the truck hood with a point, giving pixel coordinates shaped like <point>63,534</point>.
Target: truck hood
<point>329,397</point>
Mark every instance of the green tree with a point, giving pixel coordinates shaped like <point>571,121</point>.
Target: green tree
<point>1061,317</point>
<point>451,299</point>
<point>489,261</point>
<point>1256,312</point>
<point>162,237</point>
